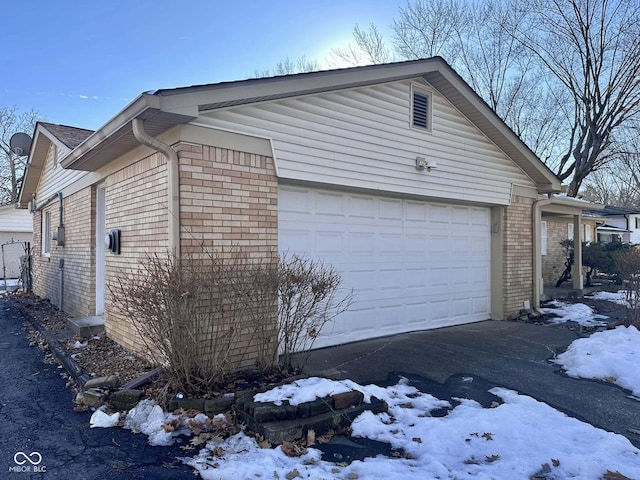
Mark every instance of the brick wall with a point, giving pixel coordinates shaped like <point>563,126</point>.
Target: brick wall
<point>78,274</point>
<point>226,198</point>
<point>136,204</point>
<point>230,198</point>
<point>518,255</point>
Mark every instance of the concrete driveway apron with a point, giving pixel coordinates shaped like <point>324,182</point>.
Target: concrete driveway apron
<point>493,353</point>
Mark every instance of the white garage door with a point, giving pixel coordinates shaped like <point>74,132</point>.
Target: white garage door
<point>413,265</point>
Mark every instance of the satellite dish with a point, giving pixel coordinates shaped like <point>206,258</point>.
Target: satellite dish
<point>20,144</point>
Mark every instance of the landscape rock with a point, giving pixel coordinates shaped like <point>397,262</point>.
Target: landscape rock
<point>111,381</point>
<point>125,399</point>
<point>91,397</point>
<point>347,399</point>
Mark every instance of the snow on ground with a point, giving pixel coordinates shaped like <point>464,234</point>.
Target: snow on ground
<point>615,297</point>
<point>575,312</point>
<point>514,440</point>
<point>8,285</point>
<point>612,355</point>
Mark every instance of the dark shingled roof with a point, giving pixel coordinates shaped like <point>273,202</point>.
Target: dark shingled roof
<point>70,136</point>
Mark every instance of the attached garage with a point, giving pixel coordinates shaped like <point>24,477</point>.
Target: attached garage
<point>398,175</point>
<point>413,264</point>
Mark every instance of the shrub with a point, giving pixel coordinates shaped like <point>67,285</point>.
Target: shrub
<point>628,264</point>
<point>197,315</point>
<point>208,315</point>
<point>309,296</point>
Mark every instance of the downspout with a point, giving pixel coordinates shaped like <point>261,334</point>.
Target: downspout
<point>173,186</point>
<point>537,250</point>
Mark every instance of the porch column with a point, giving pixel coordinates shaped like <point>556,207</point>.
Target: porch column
<point>576,273</point>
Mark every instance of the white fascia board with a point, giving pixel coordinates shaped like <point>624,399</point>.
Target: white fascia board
<point>144,102</point>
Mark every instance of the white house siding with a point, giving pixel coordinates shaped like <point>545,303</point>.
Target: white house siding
<point>634,237</point>
<point>54,178</point>
<point>361,138</point>
<point>16,227</point>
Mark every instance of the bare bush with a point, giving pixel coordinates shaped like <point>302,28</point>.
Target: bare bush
<point>309,297</point>
<point>208,315</point>
<point>628,262</point>
<point>197,315</point>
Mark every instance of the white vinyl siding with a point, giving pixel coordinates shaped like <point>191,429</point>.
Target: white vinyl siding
<point>411,264</point>
<point>362,138</point>
<point>15,220</point>
<point>54,178</point>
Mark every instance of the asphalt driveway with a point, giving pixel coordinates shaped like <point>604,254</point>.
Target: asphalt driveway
<point>492,353</point>
<point>38,422</point>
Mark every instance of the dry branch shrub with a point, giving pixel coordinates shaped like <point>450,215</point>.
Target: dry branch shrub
<point>628,263</point>
<point>203,316</point>
<point>309,296</point>
<point>211,314</point>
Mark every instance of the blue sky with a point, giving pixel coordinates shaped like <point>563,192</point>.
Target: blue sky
<point>80,62</point>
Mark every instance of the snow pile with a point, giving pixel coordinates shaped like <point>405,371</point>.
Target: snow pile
<point>576,312</point>
<point>100,419</point>
<point>612,355</point>
<point>617,297</point>
<point>307,390</point>
<point>148,417</point>
<point>515,440</point>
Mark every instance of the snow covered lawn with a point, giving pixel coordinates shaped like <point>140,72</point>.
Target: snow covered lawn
<point>615,297</point>
<point>513,440</point>
<point>612,355</point>
<point>575,312</point>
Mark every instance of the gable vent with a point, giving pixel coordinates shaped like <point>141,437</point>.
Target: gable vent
<point>420,110</point>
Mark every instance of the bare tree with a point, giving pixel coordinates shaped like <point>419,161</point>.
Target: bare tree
<point>289,67</point>
<point>473,37</point>
<point>591,48</point>
<point>370,48</point>
<point>563,74</point>
<point>11,165</point>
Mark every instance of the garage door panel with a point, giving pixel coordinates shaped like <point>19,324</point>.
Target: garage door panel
<point>412,264</point>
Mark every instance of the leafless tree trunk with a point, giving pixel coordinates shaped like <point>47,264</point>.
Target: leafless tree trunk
<point>563,74</point>
<point>11,165</point>
<point>591,47</point>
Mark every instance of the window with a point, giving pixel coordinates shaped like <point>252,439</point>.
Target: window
<point>46,234</point>
<point>570,231</point>
<point>543,238</point>
<point>587,233</point>
<point>637,222</point>
<point>420,108</point>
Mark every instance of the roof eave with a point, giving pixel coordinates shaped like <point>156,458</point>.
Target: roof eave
<point>116,136</point>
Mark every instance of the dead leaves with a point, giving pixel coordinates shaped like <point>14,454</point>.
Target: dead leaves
<point>609,475</point>
<point>487,459</point>
<point>293,450</point>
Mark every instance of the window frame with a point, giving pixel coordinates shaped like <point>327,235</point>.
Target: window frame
<point>45,234</point>
<point>428,94</point>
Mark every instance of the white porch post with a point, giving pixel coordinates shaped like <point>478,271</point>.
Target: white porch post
<point>576,273</point>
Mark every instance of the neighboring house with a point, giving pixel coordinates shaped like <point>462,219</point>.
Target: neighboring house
<point>558,224</point>
<point>621,225</point>
<point>16,232</point>
<point>399,175</point>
